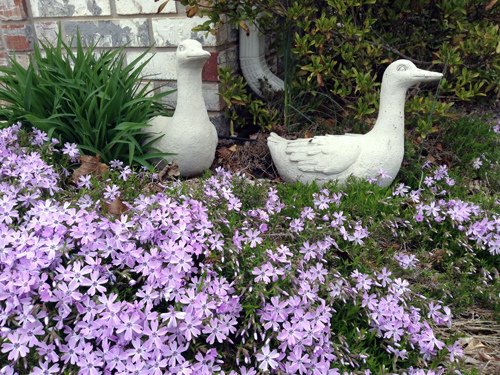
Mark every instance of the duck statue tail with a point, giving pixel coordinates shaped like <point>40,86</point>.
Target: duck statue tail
<point>277,146</point>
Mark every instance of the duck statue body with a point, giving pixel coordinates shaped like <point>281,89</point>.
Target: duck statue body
<point>376,154</point>
<point>188,136</point>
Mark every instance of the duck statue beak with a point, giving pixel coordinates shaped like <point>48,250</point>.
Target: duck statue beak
<point>426,76</point>
<point>200,55</point>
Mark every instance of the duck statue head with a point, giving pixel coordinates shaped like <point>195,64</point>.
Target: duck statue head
<point>376,155</point>
<point>190,53</point>
<point>404,74</point>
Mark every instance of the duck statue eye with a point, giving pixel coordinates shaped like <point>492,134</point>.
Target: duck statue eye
<point>401,68</point>
<point>181,48</point>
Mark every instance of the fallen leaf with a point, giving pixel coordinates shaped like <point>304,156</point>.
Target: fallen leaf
<point>169,171</point>
<point>162,6</point>
<point>191,11</point>
<point>490,5</point>
<point>89,165</point>
<point>233,148</point>
<point>116,207</point>
<point>245,27</point>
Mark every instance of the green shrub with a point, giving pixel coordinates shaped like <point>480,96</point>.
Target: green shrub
<point>242,107</point>
<point>339,49</point>
<point>94,100</point>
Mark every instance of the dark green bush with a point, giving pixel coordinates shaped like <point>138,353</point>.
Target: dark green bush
<point>94,100</point>
<point>339,49</point>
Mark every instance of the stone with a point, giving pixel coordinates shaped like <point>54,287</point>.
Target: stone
<point>169,32</point>
<point>376,155</point>
<point>70,8</point>
<point>129,32</point>
<point>47,31</point>
<point>161,66</point>
<point>143,7</point>
<point>189,134</point>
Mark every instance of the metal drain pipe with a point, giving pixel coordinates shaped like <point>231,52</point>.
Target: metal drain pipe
<point>253,62</point>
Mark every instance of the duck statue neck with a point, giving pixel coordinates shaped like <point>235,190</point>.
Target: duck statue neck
<point>189,137</point>
<point>336,157</point>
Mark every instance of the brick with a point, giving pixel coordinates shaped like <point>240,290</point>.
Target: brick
<point>143,7</point>
<point>130,33</point>
<point>169,32</point>
<point>70,8</point>
<point>162,65</point>
<point>13,10</point>
<point>210,94</point>
<point>211,69</point>
<point>3,58</point>
<point>17,37</point>
<point>228,58</point>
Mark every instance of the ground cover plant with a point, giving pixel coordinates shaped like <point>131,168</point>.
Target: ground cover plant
<point>227,275</point>
<point>82,96</point>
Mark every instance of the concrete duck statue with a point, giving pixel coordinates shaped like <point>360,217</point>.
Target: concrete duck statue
<point>336,157</point>
<point>188,135</point>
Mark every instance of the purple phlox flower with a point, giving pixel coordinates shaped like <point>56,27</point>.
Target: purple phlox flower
<point>297,225</point>
<point>429,181</point>
<point>71,151</point>
<point>267,358</point>
<point>359,234</point>
<point>139,352</point>
<point>290,334</point>
<point>174,353</point>
<point>16,346</point>
<point>252,237</point>
<point>308,213</point>
<point>363,282</point>
<point>44,368</point>
<point>428,341</point>
<point>298,361</point>
<point>71,350</point>
<point>267,273</point>
<point>129,326</point>
<point>399,287</point>
<point>172,317</point>
<point>203,305</point>
<point>400,190</point>
<point>321,201</point>
<point>456,351</point>
<point>309,251</point>
<point>190,327</point>
<point>116,164</point>
<point>39,137</point>
<point>369,301</point>
<point>399,353</point>
<point>406,261</point>
<point>338,220</point>
<point>182,261</point>
<point>95,283</point>
<point>216,331</point>
<point>111,192</point>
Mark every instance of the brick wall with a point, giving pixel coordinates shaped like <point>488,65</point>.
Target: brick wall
<point>115,23</point>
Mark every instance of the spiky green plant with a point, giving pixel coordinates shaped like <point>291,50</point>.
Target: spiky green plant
<point>78,95</point>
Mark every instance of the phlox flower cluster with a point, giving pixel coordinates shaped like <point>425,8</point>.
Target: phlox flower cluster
<point>295,333</point>
<point>469,218</point>
<point>83,291</point>
<point>180,286</point>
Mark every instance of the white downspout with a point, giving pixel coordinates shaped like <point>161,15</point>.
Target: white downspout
<point>253,61</point>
